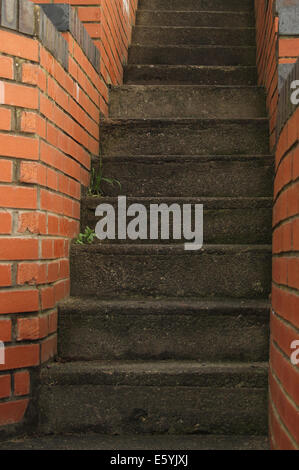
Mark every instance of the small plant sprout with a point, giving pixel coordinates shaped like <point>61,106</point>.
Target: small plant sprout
<point>96,180</point>
<point>87,237</point>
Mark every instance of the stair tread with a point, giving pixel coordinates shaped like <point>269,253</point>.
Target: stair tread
<point>151,122</point>
<point>158,372</point>
<point>156,249</point>
<point>158,157</point>
<point>167,305</point>
<point>229,202</point>
<point>93,441</point>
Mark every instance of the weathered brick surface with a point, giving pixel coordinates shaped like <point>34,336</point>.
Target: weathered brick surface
<point>278,48</point>
<point>52,95</point>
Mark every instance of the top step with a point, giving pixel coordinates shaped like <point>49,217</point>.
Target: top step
<point>196,5</point>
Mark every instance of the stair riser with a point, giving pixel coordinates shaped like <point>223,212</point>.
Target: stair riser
<point>234,274</point>
<point>196,5</point>
<point>222,225</point>
<point>141,102</point>
<point>153,409</point>
<point>189,75</point>
<point>197,177</point>
<point>205,55</point>
<point>197,138</point>
<point>180,336</point>
<point>195,19</point>
<point>193,36</point>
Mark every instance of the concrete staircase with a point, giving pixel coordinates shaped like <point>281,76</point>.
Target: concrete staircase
<point>155,339</point>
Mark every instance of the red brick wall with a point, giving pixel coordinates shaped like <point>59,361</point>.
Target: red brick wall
<point>284,374</point>
<point>50,107</point>
<point>266,39</point>
<point>109,24</point>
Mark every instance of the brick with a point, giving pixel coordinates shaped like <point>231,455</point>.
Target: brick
<point>47,298</point>
<point>17,357</point>
<point>60,290</point>
<point>31,328</point>
<point>6,67</point>
<point>32,222</point>
<point>293,273</point>
<point>19,46</point>
<point>48,248</point>
<point>12,412</point>
<point>21,383</point>
<point>283,334</point>
<point>5,275</point>
<point>16,301</point>
<point>5,223</point>
<point>18,197</point>
<point>6,171</point>
<point>33,123</point>
<point>5,386</point>
<point>34,75</point>
<point>18,147</point>
<point>53,225</point>
<point>48,348</point>
<point>286,373</point>
<point>5,119</point>
<point>31,172</point>
<point>19,95</point>
<point>5,330</point>
<point>285,409</point>
<point>277,430</point>
<point>18,248</point>
<point>289,47</point>
<point>53,318</point>
<point>31,273</point>
<point>53,271</point>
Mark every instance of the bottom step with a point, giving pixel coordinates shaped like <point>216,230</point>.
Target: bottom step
<point>161,397</point>
<point>102,442</point>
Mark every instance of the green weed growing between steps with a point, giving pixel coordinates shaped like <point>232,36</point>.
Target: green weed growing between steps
<point>87,237</point>
<point>97,179</point>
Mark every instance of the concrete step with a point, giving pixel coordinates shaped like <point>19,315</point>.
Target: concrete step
<point>196,5</point>
<point>94,441</point>
<point>185,137</point>
<point>158,101</point>
<point>226,220</point>
<point>142,271</point>
<point>190,55</point>
<point>208,330</point>
<point>213,19</point>
<point>190,75</point>
<point>206,176</point>
<point>182,35</point>
<point>154,397</point>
